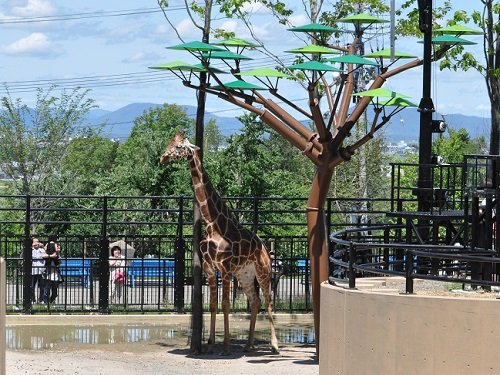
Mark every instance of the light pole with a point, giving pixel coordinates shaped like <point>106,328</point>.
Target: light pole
<point>426,109</point>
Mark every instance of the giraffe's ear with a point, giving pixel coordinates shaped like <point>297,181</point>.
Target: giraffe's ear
<point>196,148</point>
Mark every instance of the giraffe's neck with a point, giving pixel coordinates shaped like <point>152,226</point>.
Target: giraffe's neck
<point>213,209</point>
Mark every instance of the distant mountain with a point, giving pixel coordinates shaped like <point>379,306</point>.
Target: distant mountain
<point>96,113</point>
<point>119,123</point>
<point>404,126</point>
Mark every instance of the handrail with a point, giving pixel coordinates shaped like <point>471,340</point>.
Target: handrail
<point>403,259</point>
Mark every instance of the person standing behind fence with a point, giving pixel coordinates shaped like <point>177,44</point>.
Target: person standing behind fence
<point>116,274</point>
<point>51,276</point>
<point>37,267</point>
<point>276,272</point>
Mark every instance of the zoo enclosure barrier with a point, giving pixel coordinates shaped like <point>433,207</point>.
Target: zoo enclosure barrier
<point>157,245</point>
<point>456,240</point>
<point>355,255</point>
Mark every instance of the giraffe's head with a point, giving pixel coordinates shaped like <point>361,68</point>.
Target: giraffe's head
<point>178,148</point>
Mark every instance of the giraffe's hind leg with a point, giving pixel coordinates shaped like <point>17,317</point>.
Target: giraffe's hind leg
<point>264,280</point>
<point>210,274</point>
<point>250,291</point>
<point>226,286</point>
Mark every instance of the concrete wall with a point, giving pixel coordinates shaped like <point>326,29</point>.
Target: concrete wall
<point>3,280</point>
<point>365,332</point>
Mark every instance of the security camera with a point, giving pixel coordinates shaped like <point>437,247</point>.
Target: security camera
<point>438,126</point>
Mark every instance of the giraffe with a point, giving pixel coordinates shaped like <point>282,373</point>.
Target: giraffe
<point>228,248</point>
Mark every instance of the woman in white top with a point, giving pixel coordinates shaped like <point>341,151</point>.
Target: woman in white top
<point>116,274</point>
<point>38,256</point>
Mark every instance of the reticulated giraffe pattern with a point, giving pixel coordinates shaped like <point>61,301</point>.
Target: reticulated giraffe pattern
<point>228,247</point>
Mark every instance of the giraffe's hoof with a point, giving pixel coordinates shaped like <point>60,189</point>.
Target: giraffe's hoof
<point>275,350</point>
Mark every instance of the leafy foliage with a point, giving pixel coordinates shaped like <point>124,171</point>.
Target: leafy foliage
<point>33,143</point>
<point>137,169</point>
<point>258,162</point>
<point>86,161</point>
<point>458,143</point>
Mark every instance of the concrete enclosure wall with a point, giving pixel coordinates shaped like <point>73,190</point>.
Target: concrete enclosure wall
<point>365,332</point>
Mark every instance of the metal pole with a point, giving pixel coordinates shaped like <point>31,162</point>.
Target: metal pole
<point>197,298</point>
<point>104,261</point>
<point>27,292</point>
<point>409,272</point>
<point>393,26</point>
<point>426,108</point>
<point>180,262</point>
<point>352,272</point>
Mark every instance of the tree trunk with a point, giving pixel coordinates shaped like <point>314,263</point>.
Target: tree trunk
<point>318,249</point>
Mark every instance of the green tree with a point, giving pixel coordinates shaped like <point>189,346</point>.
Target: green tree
<point>87,160</point>
<point>213,139</point>
<point>137,169</point>
<point>365,176</point>
<point>258,162</point>
<point>456,144</point>
<point>33,142</point>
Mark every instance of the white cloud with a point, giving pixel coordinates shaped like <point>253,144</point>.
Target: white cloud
<point>187,30</point>
<point>230,25</point>
<point>162,29</point>
<point>483,107</point>
<point>255,8</point>
<point>299,20</point>
<point>142,57</point>
<point>34,8</point>
<point>124,33</point>
<point>33,44</point>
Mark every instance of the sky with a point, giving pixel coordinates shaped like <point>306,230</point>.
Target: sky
<point>107,47</point>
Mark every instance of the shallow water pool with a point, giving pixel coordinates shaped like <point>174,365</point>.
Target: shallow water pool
<point>38,337</point>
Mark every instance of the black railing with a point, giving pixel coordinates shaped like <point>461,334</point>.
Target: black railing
<point>356,254</point>
<point>157,228</point>
<point>152,283</point>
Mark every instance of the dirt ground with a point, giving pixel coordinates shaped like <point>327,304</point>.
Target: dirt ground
<point>159,356</point>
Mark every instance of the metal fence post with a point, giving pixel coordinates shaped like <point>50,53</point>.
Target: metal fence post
<point>180,263</point>
<point>255,224</point>
<point>386,249</point>
<point>466,220</point>
<point>104,261</point>
<point>27,256</point>
<point>409,272</point>
<point>352,259</point>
